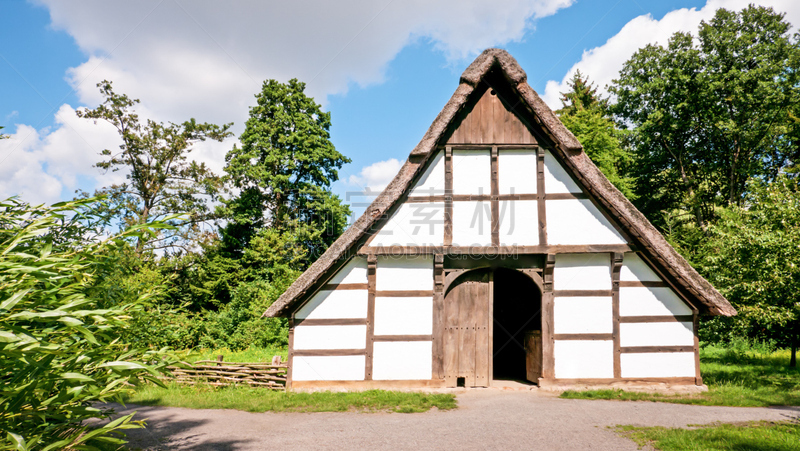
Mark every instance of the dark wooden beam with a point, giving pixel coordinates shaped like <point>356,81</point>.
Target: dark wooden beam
<point>448,192</point>
<point>495,202</point>
<point>402,337</point>
<point>649,349</point>
<point>493,250</point>
<point>403,294</point>
<point>548,355</point>
<point>328,352</point>
<point>577,293</point>
<point>616,267</point>
<point>372,265</point>
<point>656,319</point>
<point>540,193</point>
<point>330,322</point>
<point>584,336</point>
<point>438,317</point>
<point>344,286</point>
<point>635,284</point>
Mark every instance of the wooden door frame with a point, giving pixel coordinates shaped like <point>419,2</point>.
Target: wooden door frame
<point>453,275</point>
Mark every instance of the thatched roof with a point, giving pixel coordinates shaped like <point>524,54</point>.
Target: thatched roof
<point>649,241</point>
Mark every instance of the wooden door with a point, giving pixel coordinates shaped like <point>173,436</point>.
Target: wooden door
<point>467,330</point>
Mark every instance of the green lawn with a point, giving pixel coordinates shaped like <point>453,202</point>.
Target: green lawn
<point>734,378</point>
<point>722,437</point>
<point>260,400</point>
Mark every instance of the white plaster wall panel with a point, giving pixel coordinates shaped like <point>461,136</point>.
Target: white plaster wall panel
<point>330,337</point>
<point>398,273</point>
<point>657,364</point>
<point>328,368</point>
<point>402,360</point>
<point>472,223</point>
<point>582,315</point>
<point>634,269</point>
<point>556,178</point>
<point>354,271</point>
<point>328,304</point>
<point>656,334</point>
<point>646,301</point>
<point>577,359</point>
<point>404,316</point>
<point>582,272</point>
<point>519,222</point>
<point>431,182</point>
<point>472,172</point>
<point>578,221</point>
<point>516,171</point>
<point>413,224</point>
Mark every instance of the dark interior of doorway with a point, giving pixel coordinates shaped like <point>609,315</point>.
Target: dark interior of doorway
<point>517,310</point>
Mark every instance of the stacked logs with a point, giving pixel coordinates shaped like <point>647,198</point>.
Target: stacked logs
<point>218,373</point>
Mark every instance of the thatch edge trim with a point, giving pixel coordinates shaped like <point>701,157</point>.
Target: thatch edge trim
<point>630,217</point>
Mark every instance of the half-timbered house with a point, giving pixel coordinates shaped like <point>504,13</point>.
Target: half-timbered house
<point>499,251</point>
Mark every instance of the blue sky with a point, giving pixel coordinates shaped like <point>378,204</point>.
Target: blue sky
<point>384,69</point>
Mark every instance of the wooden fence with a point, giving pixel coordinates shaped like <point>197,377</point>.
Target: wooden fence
<point>219,373</point>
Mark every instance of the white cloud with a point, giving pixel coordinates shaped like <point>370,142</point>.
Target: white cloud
<point>376,176</point>
<point>206,59</point>
<point>48,165</point>
<point>602,64</point>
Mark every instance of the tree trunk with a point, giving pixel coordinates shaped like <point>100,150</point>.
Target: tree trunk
<point>793,358</point>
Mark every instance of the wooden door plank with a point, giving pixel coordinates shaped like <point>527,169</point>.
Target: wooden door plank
<point>451,345</point>
<point>482,343</point>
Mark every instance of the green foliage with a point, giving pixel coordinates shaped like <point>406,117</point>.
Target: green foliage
<point>260,400</point>
<point>745,374</point>
<point>756,436</point>
<point>283,173</point>
<point>710,112</point>
<point>161,179</point>
<point>584,114</point>
<point>59,338</point>
<point>752,255</point>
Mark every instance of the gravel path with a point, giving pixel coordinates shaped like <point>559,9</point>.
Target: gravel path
<point>485,419</point>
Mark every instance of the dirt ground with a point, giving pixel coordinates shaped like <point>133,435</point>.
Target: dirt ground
<point>485,419</point>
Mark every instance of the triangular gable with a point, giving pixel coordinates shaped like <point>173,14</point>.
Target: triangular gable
<point>531,122</point>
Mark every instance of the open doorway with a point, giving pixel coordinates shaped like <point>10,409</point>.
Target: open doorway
<point>517,316</point>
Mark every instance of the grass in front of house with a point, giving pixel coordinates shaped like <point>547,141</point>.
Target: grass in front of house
<point>735,377</point>
<point>249,355</point>
<point>261,400</point>
<point>719,437</point>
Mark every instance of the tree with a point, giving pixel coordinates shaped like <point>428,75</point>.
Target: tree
<point>59,337</point>
<point>584,113</point>
<point>710,112</point>
<point>162,181</point>
<point>283,172</point>
<point>752,254</point>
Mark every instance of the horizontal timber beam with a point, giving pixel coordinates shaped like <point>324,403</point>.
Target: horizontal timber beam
<point>494,250</point>
<point>402,338</point>
<point>344,286</point>
<point>649,349</point>
<point>656,319</point>
<point>487,197</point>
<point>578,293</point>
<point>403,294</point>
<point>330,321</point>
<point>327,352</point>
<point>583,336</point>
<point>638,284</point>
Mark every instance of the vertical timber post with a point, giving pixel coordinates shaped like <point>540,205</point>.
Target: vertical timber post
<point>548,342</point>
<point>372,264</point>
<point>616,267</point>
<point>698,378</point>
<point>495,199</point>
<point>448,196</point>
<point>438,316</point>
<point>540,196</point>
<point>290,355</point>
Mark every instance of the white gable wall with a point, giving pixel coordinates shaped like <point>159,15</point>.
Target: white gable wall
<point>472,172</point>
<point>431,183</point>
<point>516,171</point>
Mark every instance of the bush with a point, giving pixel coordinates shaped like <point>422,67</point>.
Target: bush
<point>59,334</point>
